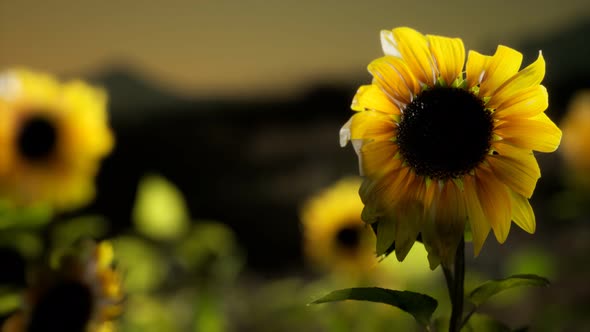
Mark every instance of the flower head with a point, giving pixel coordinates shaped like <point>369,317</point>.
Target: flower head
<point>52,136</point>
<point>335,238</point>
<point>83,295</point>
<point>444,146</point>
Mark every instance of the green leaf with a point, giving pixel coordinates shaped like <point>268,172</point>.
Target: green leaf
<point>160,211</point>
<point>418,305</point>
<point>493,287</point>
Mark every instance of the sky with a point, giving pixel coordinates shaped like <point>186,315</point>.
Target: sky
<point>251,47</point>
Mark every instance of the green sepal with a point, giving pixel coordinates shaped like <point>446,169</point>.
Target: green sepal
<point>370,215</point>
<point>385,235</point>
<point>493,287</point>
<point>420,306</point>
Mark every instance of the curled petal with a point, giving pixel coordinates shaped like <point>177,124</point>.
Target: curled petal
<point>526,78</point>
<point>345,133</point>
<point>389,44</point>
<point>503,65</point>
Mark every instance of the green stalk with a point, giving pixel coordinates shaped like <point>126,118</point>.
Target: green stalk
<point>455,285</point>
<point>458,288</point>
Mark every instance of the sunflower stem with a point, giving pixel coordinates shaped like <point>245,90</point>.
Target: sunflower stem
<point>456,292</point>
<point>449,279</point>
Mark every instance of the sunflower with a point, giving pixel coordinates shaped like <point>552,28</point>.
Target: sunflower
<point>576,141</point>
<point>335,239</point>
<point>52,137</point>
<point>445,146</point>
<point>83,295</point>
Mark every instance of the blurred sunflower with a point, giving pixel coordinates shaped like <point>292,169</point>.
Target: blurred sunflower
<point>83,295</point>
<point>442,146</point>
<point>52,136</point>
<point>576,141</point>
<point>335,238</point>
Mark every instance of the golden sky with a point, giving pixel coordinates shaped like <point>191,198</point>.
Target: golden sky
<point>224,47</point>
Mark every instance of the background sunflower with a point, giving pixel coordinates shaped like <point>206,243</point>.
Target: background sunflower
<point>53,137</point>
<point>577,137</point>
<point>83,294</point>
<point>335,238</point>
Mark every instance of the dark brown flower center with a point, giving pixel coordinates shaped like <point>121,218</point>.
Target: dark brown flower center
<point>445,132</point>
<point>349,238</point>
<point>65,307</point>
<point>37,139</point>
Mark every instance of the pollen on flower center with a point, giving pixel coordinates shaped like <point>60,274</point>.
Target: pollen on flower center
<point>37,138</point>
<point>67,306</point>
<point>445,132</point>
<point>348,237</point>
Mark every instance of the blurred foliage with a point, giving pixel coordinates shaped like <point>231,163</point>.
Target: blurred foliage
<point>145,267</point>
<point>10,300</point>
<point>25,242</point>
<point>533,260</point>
<point>160,211</point>
<point>67,233</point>
<point>33,217</point>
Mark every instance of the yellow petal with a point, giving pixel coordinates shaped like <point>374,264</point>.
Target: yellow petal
<point>444,232</point>
<point>38,89</point>
<point>394,77</point>
<point>377,158</point>
<point>529,103</point>
<point>503,65</point>
<point>480,227</point>
<point>475,68</point>
<point>526,78</point>
<point>401,180</point>
<point>516,168</point>
<point>382,191</point>
<point>495,202</point>
<point>537,133</point>
<point>522,212</point>
<point>372,125</point>
<point>449,54</point>
<point>370,97</point>
<point>410,214</point>
<point>413,48</point>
